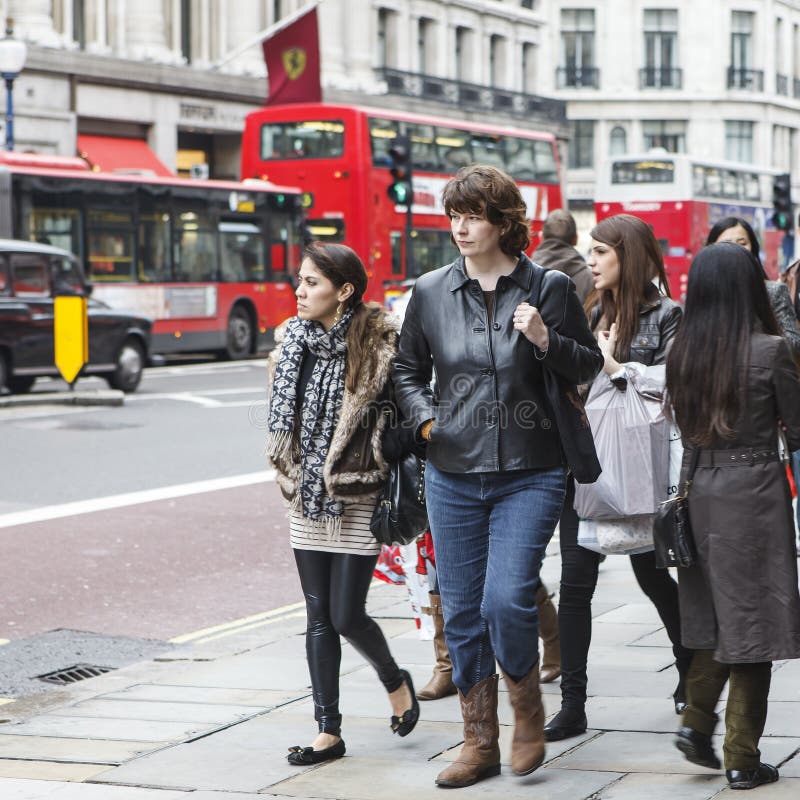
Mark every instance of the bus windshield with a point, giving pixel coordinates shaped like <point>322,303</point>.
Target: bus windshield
<point>307,139</point>
<point>643,172</point>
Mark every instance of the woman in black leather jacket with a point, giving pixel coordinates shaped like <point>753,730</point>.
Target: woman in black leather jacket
<point>633,322</point>
<point>495,328</point>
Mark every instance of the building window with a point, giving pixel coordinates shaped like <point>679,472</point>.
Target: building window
<point>667,133</point>
<point>424,42</point>
<point>581,149</point>
<point>527,4</point>
<point>781,78</point>
<point>661,49</point>
<point>529,56</point>
<point>186,30</point>
<point>577,48</point>
<point>739,140</point>
<point>79,23</point>
<point>497,60</point>
<point>782,148</point>
<point>387,38</point>
<point>741,74</point>
<point>618,141</point>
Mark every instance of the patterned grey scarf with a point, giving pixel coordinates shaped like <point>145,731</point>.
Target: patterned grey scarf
<point>319,413</point>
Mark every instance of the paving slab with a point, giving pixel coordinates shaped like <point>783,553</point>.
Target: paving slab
<point>49,790</point>
<point>79,751</point>
<point>108,729</point>
<point>617,683</point>
<point>157,711</point>
<point>618,633</point>
<point>782,719</point>
<point>354,778</point>
<point>675,787</point>
<point>632,714</point>
<point>784,789</point>
<point>642,659</point>
<point>785,683</point>
<point>49,770</point>
<point>654,753</point>
<point>791,769</point>
<point>631,612</point>
<point>168,693</point>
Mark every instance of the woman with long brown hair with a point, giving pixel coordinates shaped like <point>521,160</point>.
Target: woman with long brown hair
<point>326,439</point>
<point>732,384</point>
<point>633,321</point>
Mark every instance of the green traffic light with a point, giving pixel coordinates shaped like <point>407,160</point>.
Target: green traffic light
<point>399,192</point>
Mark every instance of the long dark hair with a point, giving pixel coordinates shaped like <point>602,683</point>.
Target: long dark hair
<point>640,262</point>
<point>726,223</point>
<point>725,298</point>
<point>340,265</point>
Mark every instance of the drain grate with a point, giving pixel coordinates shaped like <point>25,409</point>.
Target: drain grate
<point>78,672</point>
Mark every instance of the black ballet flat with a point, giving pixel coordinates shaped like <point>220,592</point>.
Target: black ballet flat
<point>404,724</point>
<point>303,756</point>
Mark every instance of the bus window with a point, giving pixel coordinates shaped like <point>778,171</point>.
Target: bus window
<point>325,230</point>
<point>520,159</point>
<point>56,226</point>
<point>487,148</point>
<point>110,236</point>
<point>284,250</point>
<point>431,249</point>
<point>396,244</point>
<point>453,147</point>
<point>713,182</point>
<point>730,184</point>
<point>545,160</point>
<point>423,148</point>
<point>307,139</point>
<point>382,133</point>
<point>241,256</point>
<point>195,250</point>
<point>698,181</point>
<point>751,187</point>
<point>642,172</point>
<point>153,253</point>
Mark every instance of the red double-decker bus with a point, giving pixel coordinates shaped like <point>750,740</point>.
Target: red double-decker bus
<point>682,197</point>
<point>339,154</point>
<point>209,261</point>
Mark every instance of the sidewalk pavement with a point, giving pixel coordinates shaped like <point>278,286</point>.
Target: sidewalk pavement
<point>213,721</point>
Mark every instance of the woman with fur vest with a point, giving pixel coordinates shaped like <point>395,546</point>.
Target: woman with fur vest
<point>329,382</point>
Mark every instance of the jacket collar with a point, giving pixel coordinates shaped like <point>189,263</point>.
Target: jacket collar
<point>522,274</point>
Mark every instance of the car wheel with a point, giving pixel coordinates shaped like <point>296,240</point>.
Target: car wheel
<point>239,335</point>
<point>21,384</point>
<point>130,365</point>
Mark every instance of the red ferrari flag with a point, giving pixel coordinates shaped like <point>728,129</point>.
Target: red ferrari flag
<point>292,57</point>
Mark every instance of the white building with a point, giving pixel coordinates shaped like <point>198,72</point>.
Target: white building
<point>714,78</point>
<point>158,71</point>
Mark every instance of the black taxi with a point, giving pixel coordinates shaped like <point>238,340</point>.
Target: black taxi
<point>31,276</point>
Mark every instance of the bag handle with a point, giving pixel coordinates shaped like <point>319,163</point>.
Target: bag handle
<point>692,467</point>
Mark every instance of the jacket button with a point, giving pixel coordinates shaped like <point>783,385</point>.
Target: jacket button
<point>497,326</point>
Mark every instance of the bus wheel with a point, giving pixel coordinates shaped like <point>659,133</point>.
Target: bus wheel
<point>240,334</point>
<point>130,365</point>
<point>21,384</point>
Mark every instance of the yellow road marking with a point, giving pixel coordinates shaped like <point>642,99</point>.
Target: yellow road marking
<point>237,624</point>
<point>249,627</point>
<point>3,641</point>
<point>4,701</point>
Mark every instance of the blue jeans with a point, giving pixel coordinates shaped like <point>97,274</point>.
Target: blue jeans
<point>490,531</point>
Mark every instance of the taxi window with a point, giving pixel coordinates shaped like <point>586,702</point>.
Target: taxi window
<point>30,275</point>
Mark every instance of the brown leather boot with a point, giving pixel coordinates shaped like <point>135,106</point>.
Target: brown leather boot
<point>548,631</point>
<point>480,753</point>
<point>441,682</point>
<point>527,746</point>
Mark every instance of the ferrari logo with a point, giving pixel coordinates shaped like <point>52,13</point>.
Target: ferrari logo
<point>294,62</point>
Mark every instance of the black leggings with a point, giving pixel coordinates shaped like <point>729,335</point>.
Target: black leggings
<point>578,582</point>
<point>335,586</point>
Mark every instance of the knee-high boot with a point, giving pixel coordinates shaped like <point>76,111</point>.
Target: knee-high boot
<point>480,753</point>
<point>527,746</point>
<point>548,632</point>
<point>441,682</point>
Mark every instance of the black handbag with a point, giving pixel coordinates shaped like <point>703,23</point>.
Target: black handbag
<point>400,515</point>
<point>672,530</point>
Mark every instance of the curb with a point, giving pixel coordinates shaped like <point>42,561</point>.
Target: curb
<point>109,397</point>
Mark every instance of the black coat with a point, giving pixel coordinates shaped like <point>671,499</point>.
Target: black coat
<point>490,406</point>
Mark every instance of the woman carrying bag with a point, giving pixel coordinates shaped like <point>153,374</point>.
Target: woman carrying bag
<point>634,322</point>
<point>328,378</point>
<point>732,384</point>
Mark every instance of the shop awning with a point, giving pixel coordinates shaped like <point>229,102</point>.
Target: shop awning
<point>114,154</point>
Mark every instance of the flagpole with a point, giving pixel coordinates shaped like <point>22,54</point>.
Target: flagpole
<point>266,33</point>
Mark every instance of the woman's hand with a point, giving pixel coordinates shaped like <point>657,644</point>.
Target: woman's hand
<point>528,321</point>
<point>607,340</point>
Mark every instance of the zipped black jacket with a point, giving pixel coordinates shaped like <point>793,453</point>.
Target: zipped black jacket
<point>490,403</point>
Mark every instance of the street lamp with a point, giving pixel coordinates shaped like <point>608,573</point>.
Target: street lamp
<point>12,60</point>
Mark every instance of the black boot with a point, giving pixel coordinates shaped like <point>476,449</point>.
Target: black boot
<point>567,723</point>
<point>697,748</point>
<point>750,778</point>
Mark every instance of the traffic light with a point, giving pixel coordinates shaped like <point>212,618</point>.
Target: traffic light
<point>782,202</point>
<point>400,189</point>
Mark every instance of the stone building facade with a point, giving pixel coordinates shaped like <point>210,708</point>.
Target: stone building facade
<point>161,71</point>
